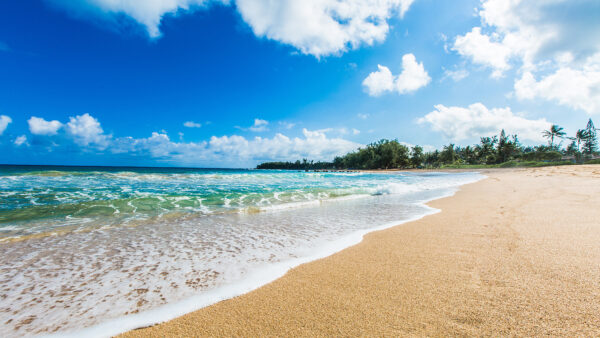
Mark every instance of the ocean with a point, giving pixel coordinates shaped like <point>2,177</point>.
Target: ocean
<point>101,250</point>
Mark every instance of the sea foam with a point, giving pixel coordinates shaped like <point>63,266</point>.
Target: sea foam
<point>102,281</point>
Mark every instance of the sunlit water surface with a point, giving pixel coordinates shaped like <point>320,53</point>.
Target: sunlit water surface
<point>83,246</point>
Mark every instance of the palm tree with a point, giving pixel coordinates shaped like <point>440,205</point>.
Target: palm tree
<point>554,131</point>
<point>580,136</point>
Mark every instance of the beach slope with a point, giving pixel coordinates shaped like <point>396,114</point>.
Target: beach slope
<point>515,254</point>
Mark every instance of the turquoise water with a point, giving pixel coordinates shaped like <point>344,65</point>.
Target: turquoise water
<point>47,200</point>
<point>38,200</point>
<point>82,246</point>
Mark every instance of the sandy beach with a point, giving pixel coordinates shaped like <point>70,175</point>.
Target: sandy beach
<point>515,254</point>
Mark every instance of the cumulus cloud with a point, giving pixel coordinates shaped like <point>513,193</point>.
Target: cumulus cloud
<point>476,120</point>
<point>259,126</point>
<point>315,27</point>
<point>413,77</point>
<point>482,50</point>
<point>576,88</point>
<point>39,126</point>
<point>379,82</point>
<point>287,125</point>
<point>86,130</point>
<point>192,124</point>
<point>322,27</point>
<point>532,31</point>
<point>237,150</point>
<point>19,141</point>
<point>147,13</point>
<point>557,41</point>
<point>455,75</point>
<point>4,121</point>
<point>227,150</point>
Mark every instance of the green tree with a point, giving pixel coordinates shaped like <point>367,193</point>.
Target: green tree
<point>448,155</point>
<point>417,157</point>
<point>590,144</point>
<point>580,136</point>
<point>486,153</point>
<point>555,131</point>
<point>506,149</point>
<point>432,159</point>
<point>469,154</point>
<point>572,148</point>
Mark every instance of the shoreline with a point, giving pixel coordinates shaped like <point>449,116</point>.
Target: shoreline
<point>462,271</point>
<point>254,281</point>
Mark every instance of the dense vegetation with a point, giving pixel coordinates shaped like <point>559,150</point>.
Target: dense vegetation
<point>496,151</point>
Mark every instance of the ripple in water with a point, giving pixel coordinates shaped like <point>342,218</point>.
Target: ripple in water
<point>63,281</point>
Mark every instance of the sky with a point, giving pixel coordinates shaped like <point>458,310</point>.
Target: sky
<point>215,83</point>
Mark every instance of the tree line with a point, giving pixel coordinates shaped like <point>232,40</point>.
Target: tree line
<point>494,150</point>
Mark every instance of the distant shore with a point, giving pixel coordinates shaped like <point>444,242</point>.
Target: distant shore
<point>515,254</point>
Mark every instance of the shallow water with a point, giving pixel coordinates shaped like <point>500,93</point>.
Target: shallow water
<point>83,246</point>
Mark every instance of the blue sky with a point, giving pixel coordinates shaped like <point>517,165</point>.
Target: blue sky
<point>212,83</point>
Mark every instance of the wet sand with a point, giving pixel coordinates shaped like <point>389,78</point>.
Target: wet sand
<point>515,254</point>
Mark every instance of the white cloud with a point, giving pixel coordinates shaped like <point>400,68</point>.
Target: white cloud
<point>236,150</point>
<point>287,125</point>
<point>148,13</point>
<point>355,131</point>
<point>363,116</point>
<point>322,27</point>
<point>379,82</point>
<point>86,130</point>
<point>533,31</point>
<point>4,121</point>
<point>20,140</point>
<point>576,88</point>
<point>259,126</point>
<point>455,75</point>
<point>557,41</point>
<point>482,50</point>
<point>476,120</point>
<point>316,27</point>
<point>413,77</point>
<point>545,29</point>
<point>39,126</point>
<point>192,124</point>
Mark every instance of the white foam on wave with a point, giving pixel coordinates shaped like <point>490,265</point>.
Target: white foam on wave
<point>141,264</point>
<point>444,181</point>
<point>253,280</point>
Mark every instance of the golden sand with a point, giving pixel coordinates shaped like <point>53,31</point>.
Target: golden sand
<point>515,254</point>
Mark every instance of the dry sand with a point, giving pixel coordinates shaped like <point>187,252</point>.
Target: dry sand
<point>515,254</point>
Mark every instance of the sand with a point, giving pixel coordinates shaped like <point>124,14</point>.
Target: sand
<point>515,254</point>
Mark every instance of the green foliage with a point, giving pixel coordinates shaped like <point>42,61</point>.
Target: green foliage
<point>529,164</point>
<point>590,142</point>
<point>304,165</point>
<point>541,155</point>
<point>448,155</point>
<point>509,164</point>
<point>417,157</point>
<point>554,132</point>
<point>502,151</point>
<point>383,154</point>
